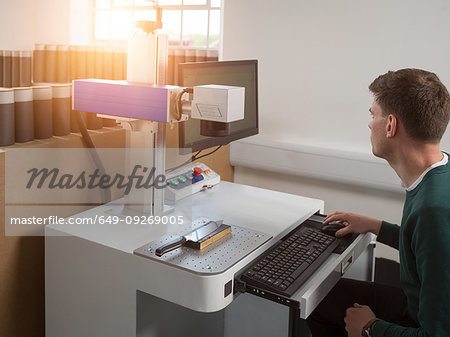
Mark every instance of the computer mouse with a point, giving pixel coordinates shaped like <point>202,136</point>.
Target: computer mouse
<point>332,227</point>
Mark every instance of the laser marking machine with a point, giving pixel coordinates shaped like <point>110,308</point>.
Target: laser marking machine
<point>106,279</point>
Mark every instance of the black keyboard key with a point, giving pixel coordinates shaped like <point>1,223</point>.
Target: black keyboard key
<point>250,273</point>
<point>277,283</point>
<point>300,270</point>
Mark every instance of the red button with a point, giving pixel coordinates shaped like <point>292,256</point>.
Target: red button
<point>197,171</point>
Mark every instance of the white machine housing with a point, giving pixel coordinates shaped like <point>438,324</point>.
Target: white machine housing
<point>218,103</point>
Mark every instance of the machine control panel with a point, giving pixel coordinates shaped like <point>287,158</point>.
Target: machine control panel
<point>189,180</point>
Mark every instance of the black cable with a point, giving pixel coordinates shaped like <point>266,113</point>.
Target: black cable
<point>186,162</point>
<point>193,158</point>
<point>205,155</point>
<point>92,151</point>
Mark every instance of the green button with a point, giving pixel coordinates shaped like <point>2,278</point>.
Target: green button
<point>189,176</point>
<point>183,179</point>
<point>175,182</point>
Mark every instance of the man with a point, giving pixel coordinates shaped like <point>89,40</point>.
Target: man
<point>410,113</point>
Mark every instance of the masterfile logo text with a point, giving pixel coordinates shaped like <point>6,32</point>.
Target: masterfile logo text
<point>140,177</point>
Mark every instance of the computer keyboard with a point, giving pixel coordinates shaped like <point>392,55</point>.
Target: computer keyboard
<point>288,264</point>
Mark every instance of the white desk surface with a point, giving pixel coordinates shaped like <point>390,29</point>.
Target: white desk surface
<point>259,209</point>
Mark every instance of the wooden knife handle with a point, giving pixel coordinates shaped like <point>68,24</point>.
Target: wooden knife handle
<point>170,246</point>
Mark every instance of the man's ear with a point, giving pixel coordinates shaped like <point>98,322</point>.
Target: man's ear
<point>391,126</point>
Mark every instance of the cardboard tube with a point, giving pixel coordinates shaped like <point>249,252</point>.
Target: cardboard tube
<point>38,63</point>
<point>62,106</point>
<point>25,68</point>
<point>7,136</point>
<point>23,113</point>
<point>42,110</point>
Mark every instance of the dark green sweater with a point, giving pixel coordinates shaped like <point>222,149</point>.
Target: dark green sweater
<point>423,241</point>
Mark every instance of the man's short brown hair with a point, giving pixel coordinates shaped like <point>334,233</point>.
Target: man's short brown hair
<point>418,98</point>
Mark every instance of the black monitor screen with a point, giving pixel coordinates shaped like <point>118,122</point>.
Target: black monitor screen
<point>233,73</point>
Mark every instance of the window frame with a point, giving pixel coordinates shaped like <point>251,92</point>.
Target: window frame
<point>133,7</point>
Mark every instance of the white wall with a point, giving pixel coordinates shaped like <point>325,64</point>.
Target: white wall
<point>316,60</point>
<point>52,21</point>
<point>26,22</point>
<point>80,22</point>
<point>16,24</point>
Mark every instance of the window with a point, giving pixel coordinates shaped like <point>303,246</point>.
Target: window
<point>189,23</point>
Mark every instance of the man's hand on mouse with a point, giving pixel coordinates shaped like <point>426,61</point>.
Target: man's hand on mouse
<point>355,223</point>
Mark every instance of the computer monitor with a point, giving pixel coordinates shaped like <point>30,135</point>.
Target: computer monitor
<point>235,73</point>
